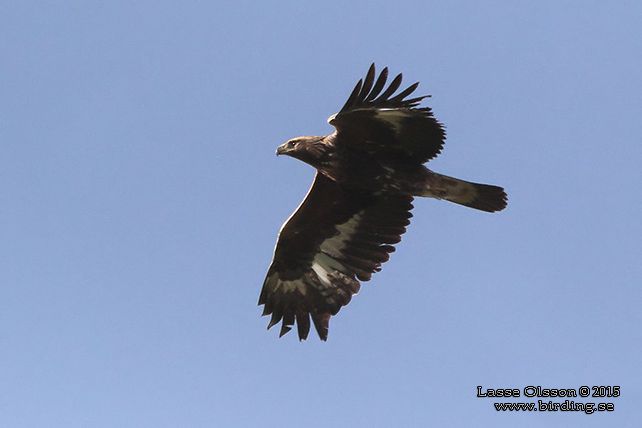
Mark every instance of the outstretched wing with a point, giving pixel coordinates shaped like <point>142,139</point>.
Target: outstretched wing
<point>388,126</point>
<point>333,240</point>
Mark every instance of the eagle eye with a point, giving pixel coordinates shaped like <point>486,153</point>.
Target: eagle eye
<point>291,144</point>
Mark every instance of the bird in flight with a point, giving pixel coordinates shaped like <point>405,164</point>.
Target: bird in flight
<point>367,173</point>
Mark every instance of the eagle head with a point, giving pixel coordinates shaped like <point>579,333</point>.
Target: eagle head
<point>311,150</point>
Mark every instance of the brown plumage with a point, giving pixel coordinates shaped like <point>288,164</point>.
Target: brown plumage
<point>368,172</point>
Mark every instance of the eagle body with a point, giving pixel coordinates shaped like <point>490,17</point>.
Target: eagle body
<point>368,172</point>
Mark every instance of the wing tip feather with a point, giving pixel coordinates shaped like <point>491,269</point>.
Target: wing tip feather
<point>322,324</point>
<point>365,94</point>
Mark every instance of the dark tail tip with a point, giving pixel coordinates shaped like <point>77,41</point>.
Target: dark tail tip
<point>488,198</point>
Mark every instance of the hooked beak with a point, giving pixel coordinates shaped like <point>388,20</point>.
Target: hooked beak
<point>282,149</point>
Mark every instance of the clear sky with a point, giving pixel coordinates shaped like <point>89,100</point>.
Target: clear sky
<point>140,200</point>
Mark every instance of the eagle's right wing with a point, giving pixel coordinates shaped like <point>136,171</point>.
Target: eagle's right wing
<point>331,242</point>
<point>387,126</point>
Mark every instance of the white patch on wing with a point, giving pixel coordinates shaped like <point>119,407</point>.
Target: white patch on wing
<point>326,262</point>
<point>333,246</point>
<point>393,116</point>
<point>321,272</point>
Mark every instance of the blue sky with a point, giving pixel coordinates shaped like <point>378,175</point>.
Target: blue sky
<point>141,198</point>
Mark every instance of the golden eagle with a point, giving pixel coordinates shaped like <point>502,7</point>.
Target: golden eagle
<point>368,171</point>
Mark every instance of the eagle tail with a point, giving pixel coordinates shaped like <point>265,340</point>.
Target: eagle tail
<point>484,197</point>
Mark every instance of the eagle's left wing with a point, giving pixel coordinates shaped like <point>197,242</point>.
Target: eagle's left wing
<point>334,239</point>
<point>388,126</point>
